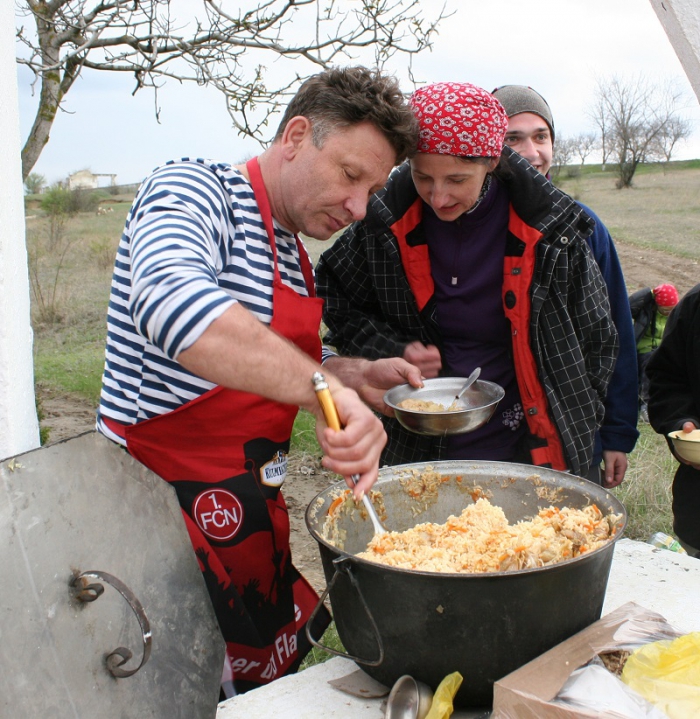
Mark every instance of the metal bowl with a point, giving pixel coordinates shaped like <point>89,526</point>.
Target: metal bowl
<point>480,402</point>
<point>409,699</point>
<point>687,445</point>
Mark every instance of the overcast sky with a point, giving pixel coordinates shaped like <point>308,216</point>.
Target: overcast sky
<point>559,47</point>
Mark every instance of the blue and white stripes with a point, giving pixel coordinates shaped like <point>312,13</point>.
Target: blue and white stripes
<point>193,245</point>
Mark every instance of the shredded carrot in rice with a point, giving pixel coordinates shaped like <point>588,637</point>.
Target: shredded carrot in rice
<point>335,504</point>
<point>481,539</point>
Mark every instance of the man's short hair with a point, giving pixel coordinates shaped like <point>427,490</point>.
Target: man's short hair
<point>344,97</point>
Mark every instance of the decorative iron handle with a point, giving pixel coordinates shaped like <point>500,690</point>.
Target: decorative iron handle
<point>87,592</point>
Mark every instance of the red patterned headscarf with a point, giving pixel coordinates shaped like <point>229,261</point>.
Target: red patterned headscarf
<point>459,119</point>
<point>666,295</point>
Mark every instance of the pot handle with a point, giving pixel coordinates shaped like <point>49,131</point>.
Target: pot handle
<point>343,566</point>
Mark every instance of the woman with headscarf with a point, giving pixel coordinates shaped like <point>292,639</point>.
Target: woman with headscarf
<point>470,257</point>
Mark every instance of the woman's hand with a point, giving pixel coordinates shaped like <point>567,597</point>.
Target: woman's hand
<point>425,357</point>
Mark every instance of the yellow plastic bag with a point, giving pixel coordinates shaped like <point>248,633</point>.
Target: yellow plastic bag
<point>667,674</point>
<point>442,708</point>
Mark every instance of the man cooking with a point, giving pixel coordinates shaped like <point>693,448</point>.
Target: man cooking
<point>213,338</point>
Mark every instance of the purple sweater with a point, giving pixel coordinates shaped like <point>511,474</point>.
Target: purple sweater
<point>466,257</point>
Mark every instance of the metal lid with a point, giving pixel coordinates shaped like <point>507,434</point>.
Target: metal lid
<point>97,565</point>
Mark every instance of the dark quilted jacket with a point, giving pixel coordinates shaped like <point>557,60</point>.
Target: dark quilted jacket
<point>371,312</point>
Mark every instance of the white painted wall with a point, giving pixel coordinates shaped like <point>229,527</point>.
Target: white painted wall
<point>19,428</point>
<point>681,21</point>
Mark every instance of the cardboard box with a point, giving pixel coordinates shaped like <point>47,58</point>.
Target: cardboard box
<point>527,693</point>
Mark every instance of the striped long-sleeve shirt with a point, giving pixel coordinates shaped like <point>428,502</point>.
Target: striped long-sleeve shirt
<point>193,245</point>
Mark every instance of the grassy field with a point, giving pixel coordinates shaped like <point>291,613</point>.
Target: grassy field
<point>69,300</point>
<point>71,271</point>
<point>661,211</point>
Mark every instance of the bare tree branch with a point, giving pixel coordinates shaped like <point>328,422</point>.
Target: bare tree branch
<point>583,145</point>
<point>675,130</point>
<point>564,149</point>
<point>214,45</point>
<point>636,116</point>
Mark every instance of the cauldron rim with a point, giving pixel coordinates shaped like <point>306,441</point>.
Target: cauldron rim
<point>531,469</point>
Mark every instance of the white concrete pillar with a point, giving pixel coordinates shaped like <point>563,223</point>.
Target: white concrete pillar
<point>681,21</point>
<point>19,427</point>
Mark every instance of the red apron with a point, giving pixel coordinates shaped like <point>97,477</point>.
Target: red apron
<point>226,455</point>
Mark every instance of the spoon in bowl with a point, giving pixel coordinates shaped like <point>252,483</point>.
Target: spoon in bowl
<point>470,381</point>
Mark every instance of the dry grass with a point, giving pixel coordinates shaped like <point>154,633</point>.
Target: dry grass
<point>646,491</point>
<point>69,336</point>
<point>661,211</point>
<point>85,276</point>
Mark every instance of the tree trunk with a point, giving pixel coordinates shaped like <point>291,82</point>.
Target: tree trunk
<point>625,174</point>
<point>45,115</point>
<point>53,88</point>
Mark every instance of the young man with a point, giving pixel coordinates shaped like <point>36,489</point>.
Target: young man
<point>674,404</point>
<point>213,339</point>
<point>531,134</point>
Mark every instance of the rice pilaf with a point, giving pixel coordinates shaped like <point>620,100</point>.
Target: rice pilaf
<point>481,539</point>
<point>426,405</point>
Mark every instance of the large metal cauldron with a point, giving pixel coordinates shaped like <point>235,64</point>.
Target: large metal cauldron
<point>397,621</point>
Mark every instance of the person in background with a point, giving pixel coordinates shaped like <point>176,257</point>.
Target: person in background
<point>674,404</point>
<point>650,309</point>
<point>531,134</point>
<point>467,258</point>
<point>213,340</point>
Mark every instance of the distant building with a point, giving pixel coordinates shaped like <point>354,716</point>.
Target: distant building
<point>86,180</point>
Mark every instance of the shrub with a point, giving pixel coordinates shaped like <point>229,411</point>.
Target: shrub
<point>103,252</point>
<point>56,201</point>
<point>82,200</point>
<point>59,201</point>
<point>34,183</point>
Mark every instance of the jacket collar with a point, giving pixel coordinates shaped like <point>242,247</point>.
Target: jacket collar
<point>533,198</point>
<point>536,200</point>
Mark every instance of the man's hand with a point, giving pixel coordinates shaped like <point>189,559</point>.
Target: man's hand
<point>371,379</point>
<point>687,428</point>
<point>615,466</point>
<point>356,448</point>
<point>425,357</point>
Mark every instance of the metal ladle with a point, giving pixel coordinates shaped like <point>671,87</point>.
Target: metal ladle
<point>333,421</point>
<point>473,377</point>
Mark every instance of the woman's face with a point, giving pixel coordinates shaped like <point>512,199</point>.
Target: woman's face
<point>450,185</point>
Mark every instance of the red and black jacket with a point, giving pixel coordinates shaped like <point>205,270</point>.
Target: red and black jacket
<point>379,297</point>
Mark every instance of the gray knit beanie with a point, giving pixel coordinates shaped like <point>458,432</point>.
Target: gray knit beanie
<point>517,99</point>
